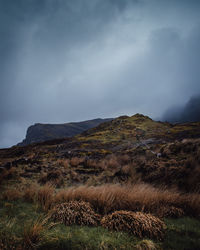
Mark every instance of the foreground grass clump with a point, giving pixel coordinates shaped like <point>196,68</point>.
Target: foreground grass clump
<point>75,212</point>
<point>108,198</point>
<point>140,197</point>
<point>23,225</point>
<point>88,238</point>
<point>139,224</point>
<point>183,233</point>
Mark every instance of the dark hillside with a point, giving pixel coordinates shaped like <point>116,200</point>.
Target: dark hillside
<point>44,132</point>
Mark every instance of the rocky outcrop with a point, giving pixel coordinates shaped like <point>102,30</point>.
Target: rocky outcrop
<point>44,132</point>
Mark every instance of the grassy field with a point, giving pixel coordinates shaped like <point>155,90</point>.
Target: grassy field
<point>27,225</point>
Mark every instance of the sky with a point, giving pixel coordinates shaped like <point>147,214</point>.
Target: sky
<point>74,60</point>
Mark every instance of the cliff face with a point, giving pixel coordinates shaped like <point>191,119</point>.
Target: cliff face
<point>44,132</point>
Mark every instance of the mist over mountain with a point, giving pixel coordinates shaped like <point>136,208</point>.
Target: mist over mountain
<point>190,112</point>
<point>77,60</point>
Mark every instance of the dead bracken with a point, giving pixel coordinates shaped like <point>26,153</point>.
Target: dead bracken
<point>139,224</point>
<point>75,212</point>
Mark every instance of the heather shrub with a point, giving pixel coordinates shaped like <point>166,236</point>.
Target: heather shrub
<point>54,177</point>
<point>139,224</point>
<point>75,212</point>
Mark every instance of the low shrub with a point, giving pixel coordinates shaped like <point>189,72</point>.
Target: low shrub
<point>170,211</point>
<point>54,177</point>
<point>75,212</point>
<point>139,224</point>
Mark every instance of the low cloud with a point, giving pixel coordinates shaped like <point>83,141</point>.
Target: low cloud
<point>190,112</point>
<point>65,61</point>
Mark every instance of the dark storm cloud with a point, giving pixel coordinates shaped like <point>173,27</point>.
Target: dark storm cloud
<point>73,60</point>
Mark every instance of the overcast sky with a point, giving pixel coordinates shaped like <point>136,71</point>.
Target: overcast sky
<point>73,60</point>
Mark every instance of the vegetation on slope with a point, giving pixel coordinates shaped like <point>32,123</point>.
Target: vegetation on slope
<point>25,225</point>
<point>130,164</point>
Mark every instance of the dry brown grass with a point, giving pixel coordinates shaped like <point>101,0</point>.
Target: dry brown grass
<point>65,163</point>
<point>74,176</point>
<point>146,245</point>
<point>140,197</point>
<point>75,212</point>
<point>139,224</point>
<point>45,196</point>
<point>11,194</point>
<point>53,177</point>
<point>33,233</point>
<point>8,174</point>
<point>31,193</point>
<point>111,162</point>
<point>126,169</point>
<point>75,161</point>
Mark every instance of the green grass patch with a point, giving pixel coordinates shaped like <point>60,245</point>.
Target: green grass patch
<point>183,233</point>
<point>76,237</point>
<point>17,217</point>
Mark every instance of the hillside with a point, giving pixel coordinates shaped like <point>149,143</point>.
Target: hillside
<point>44,132</point>
<point>124,171</point>
<point>154,152</point>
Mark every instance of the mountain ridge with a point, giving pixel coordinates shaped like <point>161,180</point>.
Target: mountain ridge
<point>40,132</point>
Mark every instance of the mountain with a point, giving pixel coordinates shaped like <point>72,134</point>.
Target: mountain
<point>124,149</point>
<point>44,132</point>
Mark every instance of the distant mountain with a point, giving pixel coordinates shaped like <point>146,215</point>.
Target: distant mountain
<point>44,132</point>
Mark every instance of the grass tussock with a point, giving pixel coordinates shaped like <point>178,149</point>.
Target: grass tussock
<point>138,224</point>
<point>45,196</point>
<point>141,197</point>
<point>75,212</point>
<point>146,245</point>
<point>31,193</point>
<point>32,235</point>
<point>113,197</point>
